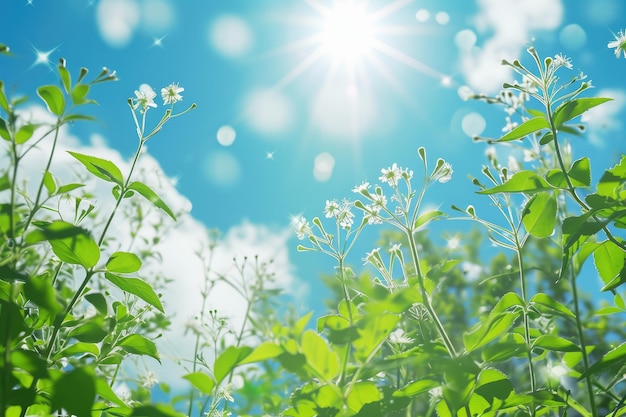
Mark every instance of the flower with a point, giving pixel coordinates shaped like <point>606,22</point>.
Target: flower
<point>619,43</point>
<point>397,337</point>
<point>332,208</point>
<point>509,125</point>
<point>302,227</point>
<point>362,189</point>
<point>149,380</point>
<point>391,175</point>
<point>171,93</point>
<point>562,61</point>
<point>144,98</point>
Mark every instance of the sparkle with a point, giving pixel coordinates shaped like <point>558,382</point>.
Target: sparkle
<point>43,57</point>
<point>29,3</point>
<point>270,155</point>
<point>158,42</point>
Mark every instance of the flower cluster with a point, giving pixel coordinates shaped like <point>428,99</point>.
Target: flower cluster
<point>393,174</point>
<point>342,212</point>
<point>144,97</point>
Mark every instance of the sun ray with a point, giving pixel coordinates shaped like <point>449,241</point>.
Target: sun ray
<point>42,57</point>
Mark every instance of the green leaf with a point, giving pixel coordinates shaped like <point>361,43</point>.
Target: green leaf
<point>522,182</point>
<point>545,304</point>
<point>609,260</point>
<point>30,362</point>
<point>319,356</point>
<point>614,357</point>
<point>580,173</point>
<point>53,97</point>
<point>151,196</point>
<point>139,345</point>
<point>48,181</point>
<point>539,215</point>
<point>511,345</point>
<point>4,130</point>
<point>612,182</point>
<point>363,392</point>
<point>555,343</point>
<point>529,126</point>
<point>39,290</point>
<point>101,168</point>
<point>158,410</point>
<point>373,331</point>
<point>136,287</point>
<point>75,392</point>
<point>104,390</point>
<point>92,330</point>
<point>123,263</point>
<point>417,387</point>
<point>493,384</point>
<point>495,326</point>
<point>70,243</point>
<point>228,360</point>
<point>4,103</point>
<point>571,109</point>
<point>201,381</point>
<point>79,92</point>
<point>263,352</point>
<point>66,78</point>
<point>78,348</point>
<point>428,217</point>
<point>24,133</point>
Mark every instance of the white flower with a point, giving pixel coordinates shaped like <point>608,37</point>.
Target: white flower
<point>619,44</point>
<point>331,209</point>
<point>379,200</point>
<point>509,125</point>
<point>345,216</point>
<point>302,227</point>
<point>361,189</point>
<point>391,175</point>
<point>397,337</point>
<point>443,171</point>
<point>171,93</point>
<point>144,98</point>
<point>562,61</point>
<point>149,380</point>
<point>373,258</point>
<point>372,216</point>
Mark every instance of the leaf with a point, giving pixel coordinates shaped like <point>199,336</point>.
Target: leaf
<point>522,182</point>
<point>78,348</point>
<point>92,330</point>
<point>39,290</point>
<point>158,410</point>
<point>66,79</point>
<point>75,392</point>
<point>428,217</point>
<point>24,133</point>
<point>571,109</point>
<point>101,168</point>
<point>30,362</point>
<point>4,103</point>
<point>104,390</point>
<point>4,130</point>
<point>319,356</point>
<point>612,182</point>
<point>69,187</point>
<point>373,331</point>
<point>123,263</point>
<point>139,345</point>
<point>136,287</point>
<point>580,173</point>
<point>545,304</point>
<point>417,387</point>
<point>53,97</point>
<point>228,360</point>
<point>555,343</point>
<point>609,260</point>
<point>151,196</point>
<point>614,357</point>
<point>529,126</point>
<point>493,384</point>
<point>70,243</point>
<point>494,327</point>
<point>539,215</point>
<point>201,381</point>
<point>48,181</point>
<point>263,352</point>
<point>363,392</point>
<point>79,92</point>
<point>511,345</point>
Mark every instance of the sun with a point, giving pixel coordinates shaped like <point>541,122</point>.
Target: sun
<point>348,32</point>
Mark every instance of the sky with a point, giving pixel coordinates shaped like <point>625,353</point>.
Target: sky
<point>294,109</point>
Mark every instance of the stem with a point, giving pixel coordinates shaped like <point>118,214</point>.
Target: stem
<point>426,298</point>
<point>581,339</point>
<point>522,279</point>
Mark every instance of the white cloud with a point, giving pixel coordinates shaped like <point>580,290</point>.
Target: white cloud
<point>509,26</point>
<point>177,242</point>
<point>606,118</point>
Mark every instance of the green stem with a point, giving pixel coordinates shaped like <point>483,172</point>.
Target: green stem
<point>426,298</point>
<point>583,346</point>
<point>522,279</point>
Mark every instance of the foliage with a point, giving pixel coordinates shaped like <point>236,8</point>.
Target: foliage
<point>428,330</point>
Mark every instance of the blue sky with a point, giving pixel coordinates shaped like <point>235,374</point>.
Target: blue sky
<point>271,73</point>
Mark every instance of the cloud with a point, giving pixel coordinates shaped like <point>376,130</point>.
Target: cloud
<point>606,118</point>
<point>118,20</point>
<point>178,243</point>
<point>507,26</point>
<point>231,36</point>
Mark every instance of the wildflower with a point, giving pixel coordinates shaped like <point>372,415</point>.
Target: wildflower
<point>372,216</point>
<point>302,227</point>
<point>395,248</point>
<point>144,98</point>
<point>513,164</point>
<point>562,61</point>
<point>362,189</point>
<point>509,125</point>
<point>619,43</point>
<point>380,201</point>
<point>443,171</point>
<point>373,258</point>
<point>345,215</point>
<point>149,380</point>
<point>397,337</point>
<point>171,93</point>
<point>332,208</point>
<point>391,175</point>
